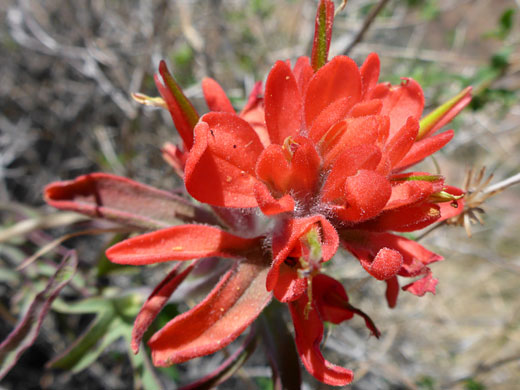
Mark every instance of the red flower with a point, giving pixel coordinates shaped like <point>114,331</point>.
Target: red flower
<point>338,142</point>
<point>322,155</point>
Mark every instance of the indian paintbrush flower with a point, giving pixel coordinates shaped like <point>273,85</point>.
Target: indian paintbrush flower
<point>317,160</point>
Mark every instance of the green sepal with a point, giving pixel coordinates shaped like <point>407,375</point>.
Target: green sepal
<point>430,120</point>
<point>443,196</point>
<point>322,34</point>
<point>184,103</point>
<point>429,178</point>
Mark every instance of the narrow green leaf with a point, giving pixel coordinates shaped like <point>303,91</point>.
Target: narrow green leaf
<point>114,320</point>
<point>322,34</point>
<point>444,112</point>
<point>79,355</point>
<point>430,178</point>
<point>144,374</point>
<point>85,306</point>
<point>25,333</point>
<point>181,99</point>
<point>183,113</point>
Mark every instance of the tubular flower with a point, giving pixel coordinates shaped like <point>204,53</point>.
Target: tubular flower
<point>322,157</point>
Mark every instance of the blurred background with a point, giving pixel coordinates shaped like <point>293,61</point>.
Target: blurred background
<point>67,71</point>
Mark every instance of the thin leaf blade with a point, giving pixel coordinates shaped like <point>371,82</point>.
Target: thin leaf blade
<point>25,333</point>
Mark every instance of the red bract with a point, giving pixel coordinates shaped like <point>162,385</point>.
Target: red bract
<point>321,157</point>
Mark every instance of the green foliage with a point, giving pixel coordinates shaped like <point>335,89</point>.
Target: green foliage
<point>262,8</point>
<point>114,319</point>
<point>499,62</point>
<point>484,78</point>
<point>472,384</point>
<point>426,383</point>
<point>505,25</point>
<point>171,372</point>
<point>183,56</point>
<point>429,9</point>
<point>264,383</point>
<point>183,60</point>
<point>25,333</point>
<point>106,267</point>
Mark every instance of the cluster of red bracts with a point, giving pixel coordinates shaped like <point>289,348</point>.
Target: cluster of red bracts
<point>321,154</point>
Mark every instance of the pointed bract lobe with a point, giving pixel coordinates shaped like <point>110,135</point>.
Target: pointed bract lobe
<point>366,245</point>
<point>367,107</point>
<point>156,301</point>
<point>309,333</point>
<point>283,104</point>
<point>423,285</point>
<point>338,79</point>
<point>405,219</point>
<point>409,192</point>
<point>182,111</point>
<point>347,164</point>
<point>220,318</point>
<point>353,132</point>
<point>330,115</point>
<point>289,286</point>
<point>400,143</point>
<point>370,73</point>
<point>305,166</point>
<point>333,305</point>
<point>302,73</point>
<point>220,169</point>
<point>183,242</point>
<point>424,148</point>
<point>215,96</point>
<point>400,102</point>
<point>274,170</point>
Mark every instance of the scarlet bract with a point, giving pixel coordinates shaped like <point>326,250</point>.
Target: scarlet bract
<point>324,156</point>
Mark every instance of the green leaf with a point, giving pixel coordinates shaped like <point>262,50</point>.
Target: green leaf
<point>506,19</point>
<point>472,384</point>
<point>25,333</point>
<point>187,108</point>
<point>144,374</point>
<point>426,383</point>
<point>86,306</point>
<point>430,178</point>
<point>264,383</point>
<point>500,60</point>
<point>432,119</point>
<point>114,320</point>
<point>322,34</point>
<point>430,10</point>
<point>505,25</point>
<point>89,346</point>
